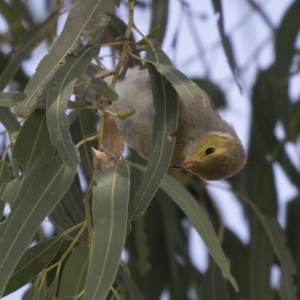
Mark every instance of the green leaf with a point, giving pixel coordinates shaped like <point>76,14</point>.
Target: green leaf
<point>45,191</point>
<point>24,47</point>
<point>165,121</point>
<point>225,40</point>
<point>200,221</point>
<point>32,150</point>
<point>75,271</point>
<point>85,16</point>
<point>187,90</point>
<point>32,262</point>
<point>278,241</point>
<point>59,91</point>
<point>103,89</point>
<point>160,18</point>
<point>84,126</point>
<point>110,204</point>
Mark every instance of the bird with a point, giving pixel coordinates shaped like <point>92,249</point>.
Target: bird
<point>206,145</point>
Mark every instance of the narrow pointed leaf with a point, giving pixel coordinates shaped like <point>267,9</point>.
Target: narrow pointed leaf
<point>45,191</point>
<point>33,261</point>
<point>200,221</point>
<point>59,92</point>
<point>32,150</point>
<point>24,47</point>
<point>278,241</point>
<point>187,90</point>
<point>74,274</point>
<point>110,204</point>
<point>165,121</point>
<point>225,40</point>
<point>85,16</point>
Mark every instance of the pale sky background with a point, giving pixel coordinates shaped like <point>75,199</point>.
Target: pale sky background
<point>248,32</point>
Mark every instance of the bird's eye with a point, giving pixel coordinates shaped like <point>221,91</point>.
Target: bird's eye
<point>210,150</point>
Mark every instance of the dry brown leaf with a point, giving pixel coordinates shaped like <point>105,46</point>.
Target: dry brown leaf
<point>101,160</point>
<point>111,148</point>
<point>112,139</point>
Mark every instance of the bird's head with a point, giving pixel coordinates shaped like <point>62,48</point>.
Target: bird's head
<point>220,156</point>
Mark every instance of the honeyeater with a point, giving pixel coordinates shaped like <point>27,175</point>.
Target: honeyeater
<point>206,145</point>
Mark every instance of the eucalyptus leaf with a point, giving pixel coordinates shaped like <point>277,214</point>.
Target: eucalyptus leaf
<point>110,204</point>
<point>187,90</point>
<point>45,191</point>
<point>74,273</point>
<point>164,125</point>
<point>32,150</point>
<point>32,262</point>
<point>200,221</point>
<point>84,16</point>
<point>24,47</point>
<point>59,91</point>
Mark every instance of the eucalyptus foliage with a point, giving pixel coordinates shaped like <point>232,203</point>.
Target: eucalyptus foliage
<point>134,208</point>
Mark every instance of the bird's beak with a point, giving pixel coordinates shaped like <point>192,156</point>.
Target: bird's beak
<point>187,165</point>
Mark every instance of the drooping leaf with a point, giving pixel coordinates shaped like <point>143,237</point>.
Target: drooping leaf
<point>200,221</point>
<point>45,191</point>
<point>164,125</point>
<point>85,16</point>
<point>160,18</point>
<point>59,91</point>
<point>226,41</point>
<point>32,262</point>
<point>187,90</point>
<point>75,271</point>
<point>23,47</point>
<point>110,204</point>
<point>32,150</point>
